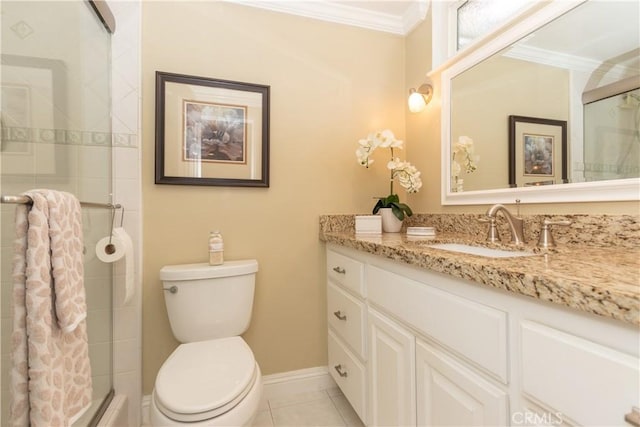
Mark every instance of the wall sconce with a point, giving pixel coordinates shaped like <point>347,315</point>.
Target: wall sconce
<point>419,98</point>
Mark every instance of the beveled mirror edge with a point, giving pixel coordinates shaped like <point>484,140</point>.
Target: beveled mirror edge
<point>597,191</point>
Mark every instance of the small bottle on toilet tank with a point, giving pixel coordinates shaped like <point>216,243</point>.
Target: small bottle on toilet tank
<point>216,248</point>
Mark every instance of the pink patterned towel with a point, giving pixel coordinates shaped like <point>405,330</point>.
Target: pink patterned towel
<point>50,373</point>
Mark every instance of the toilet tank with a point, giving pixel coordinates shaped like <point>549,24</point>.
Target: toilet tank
<point>207,302</point>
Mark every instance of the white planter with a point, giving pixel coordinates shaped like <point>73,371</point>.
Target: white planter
<point>390,224</point>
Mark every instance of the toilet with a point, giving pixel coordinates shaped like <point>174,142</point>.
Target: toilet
<point>212,378</point>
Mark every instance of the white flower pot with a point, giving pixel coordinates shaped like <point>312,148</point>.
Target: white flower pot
<point>390,224</point>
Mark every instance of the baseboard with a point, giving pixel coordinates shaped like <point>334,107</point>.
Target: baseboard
<point>294,382</point>
<point>277,386</point>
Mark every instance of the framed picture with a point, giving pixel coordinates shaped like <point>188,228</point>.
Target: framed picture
<point>537,151</point>
<point>211,132</point>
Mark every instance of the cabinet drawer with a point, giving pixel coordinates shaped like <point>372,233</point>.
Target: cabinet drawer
<point>346,315</point>
<point>579,380</point>
<point>349,374</point>
<point>346,271</point>
<point>475,331</point>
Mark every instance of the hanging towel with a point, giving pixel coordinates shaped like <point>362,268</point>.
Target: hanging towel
<point>50,373</point>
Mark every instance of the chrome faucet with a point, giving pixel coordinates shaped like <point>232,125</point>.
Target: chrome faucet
<point>516,224</point>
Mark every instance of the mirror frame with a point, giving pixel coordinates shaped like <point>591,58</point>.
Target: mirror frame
<point>522,25</point>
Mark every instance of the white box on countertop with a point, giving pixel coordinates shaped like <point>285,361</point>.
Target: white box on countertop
<point>368,224</point>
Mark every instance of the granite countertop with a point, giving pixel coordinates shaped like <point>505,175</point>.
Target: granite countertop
<point>601,280</point>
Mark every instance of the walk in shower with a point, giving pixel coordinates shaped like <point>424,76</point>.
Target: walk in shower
<point>56,133</point>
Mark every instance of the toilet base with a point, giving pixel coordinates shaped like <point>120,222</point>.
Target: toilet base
<point>242,414</point>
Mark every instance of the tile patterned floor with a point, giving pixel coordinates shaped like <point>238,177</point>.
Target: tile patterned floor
<point>319,408</point>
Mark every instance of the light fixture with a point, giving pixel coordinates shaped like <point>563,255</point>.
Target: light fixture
<point>419,98</point>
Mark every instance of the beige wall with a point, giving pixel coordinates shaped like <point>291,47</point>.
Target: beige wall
<point>422,148</point>
<point>330,85</point>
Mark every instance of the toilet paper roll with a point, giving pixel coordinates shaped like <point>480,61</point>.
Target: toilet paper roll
<point>123,248</point>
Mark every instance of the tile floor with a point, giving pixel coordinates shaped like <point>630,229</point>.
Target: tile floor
<point>317,408</point>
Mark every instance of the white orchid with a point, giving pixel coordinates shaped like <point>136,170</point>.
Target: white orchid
<point>463,153</point>
<point>407,174</point>
<point>455,168</point>
<point>384,138</point>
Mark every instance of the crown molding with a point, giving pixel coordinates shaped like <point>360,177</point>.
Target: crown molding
<point>348,15</point>
<point>569,62</point>
<point>414,15</point>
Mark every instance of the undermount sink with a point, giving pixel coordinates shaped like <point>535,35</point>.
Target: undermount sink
<point>480,250</point>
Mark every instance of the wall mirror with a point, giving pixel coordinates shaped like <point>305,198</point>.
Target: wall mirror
<point>549,106</point>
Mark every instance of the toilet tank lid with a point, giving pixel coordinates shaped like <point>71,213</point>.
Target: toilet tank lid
<point>206,271</point>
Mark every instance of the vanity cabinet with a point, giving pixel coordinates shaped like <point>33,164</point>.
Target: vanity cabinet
<point>347,320</point>
<point>431,349</point>
<point>439,383</point>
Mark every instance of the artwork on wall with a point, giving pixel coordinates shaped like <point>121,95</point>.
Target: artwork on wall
<point>537,151</point>
<point>214,132</point>
<point>211,132</point>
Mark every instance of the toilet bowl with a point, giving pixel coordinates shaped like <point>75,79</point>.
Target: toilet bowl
<point>212,378</point>
<point>209,383</point>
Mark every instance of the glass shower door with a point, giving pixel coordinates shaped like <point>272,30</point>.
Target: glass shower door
<point>56,133</point>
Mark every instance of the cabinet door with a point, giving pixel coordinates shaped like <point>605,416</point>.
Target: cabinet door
<point>391,373</point>
<point>577,380</point>
<point>451,394</point>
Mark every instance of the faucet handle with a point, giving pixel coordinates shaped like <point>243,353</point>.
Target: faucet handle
<point>546,238</point>
<point>492,235</point>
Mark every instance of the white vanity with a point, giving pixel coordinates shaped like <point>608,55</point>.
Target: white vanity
<point>411,346</point>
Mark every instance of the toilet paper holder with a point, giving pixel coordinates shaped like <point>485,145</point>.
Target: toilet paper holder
<point>110,248</point>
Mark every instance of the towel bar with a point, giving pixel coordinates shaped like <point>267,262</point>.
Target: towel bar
<point>26,200</point>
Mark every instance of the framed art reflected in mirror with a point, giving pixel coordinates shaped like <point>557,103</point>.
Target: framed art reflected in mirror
<point>537,151</point>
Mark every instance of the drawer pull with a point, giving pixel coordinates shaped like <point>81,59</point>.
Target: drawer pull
<point>632,417</point>
<point>339,315</point>
<point>338,369</point>
<point>339,270</point>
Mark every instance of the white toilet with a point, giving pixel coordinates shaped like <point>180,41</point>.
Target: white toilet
<point>212,378</point>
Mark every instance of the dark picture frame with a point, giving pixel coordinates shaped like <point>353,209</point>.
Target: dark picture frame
<point>537,151</point>
<point>211,131</point>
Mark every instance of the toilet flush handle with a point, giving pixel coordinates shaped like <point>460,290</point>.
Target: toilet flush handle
<point>173,289</point>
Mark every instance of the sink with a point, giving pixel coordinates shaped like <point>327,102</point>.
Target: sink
<point>479,250</point>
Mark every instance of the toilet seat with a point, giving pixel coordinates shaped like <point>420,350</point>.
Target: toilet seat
<point>203,380</point>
